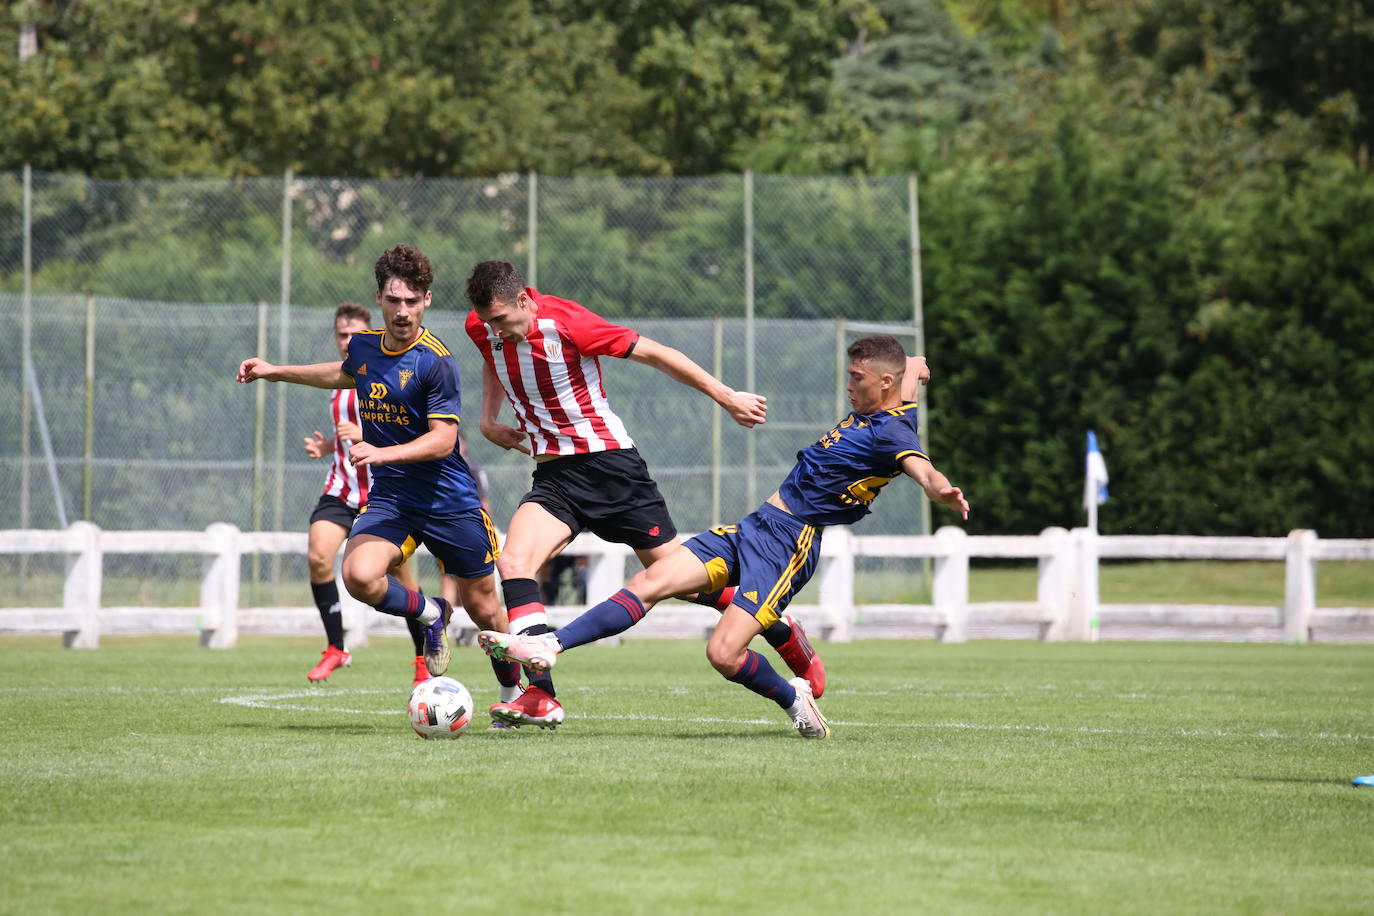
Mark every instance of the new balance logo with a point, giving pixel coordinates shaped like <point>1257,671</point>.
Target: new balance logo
<point>752,596</point>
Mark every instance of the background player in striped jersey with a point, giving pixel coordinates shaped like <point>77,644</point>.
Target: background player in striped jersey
<point>772,553</point>
<point>541,354</point>
<point>422,491</point>
<point>345,492</point>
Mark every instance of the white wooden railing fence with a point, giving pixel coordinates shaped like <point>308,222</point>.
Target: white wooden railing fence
<point>1065,608</point>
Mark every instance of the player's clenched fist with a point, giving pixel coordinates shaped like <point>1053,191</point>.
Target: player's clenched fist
<point>254,368</point>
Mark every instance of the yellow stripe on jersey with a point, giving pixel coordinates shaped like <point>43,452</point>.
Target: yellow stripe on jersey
<point>444,416</point>
<point>434,344</point>
<point>408,548</point>
<point>767,615</point>
<point>898,411</point>
<point>911,452</point>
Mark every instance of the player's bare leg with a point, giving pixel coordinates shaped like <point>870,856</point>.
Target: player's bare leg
<point>532,539</point>
<point>323,542</point>
<point>367,560</point>
<point>785,635</point>
<point>729,653</point>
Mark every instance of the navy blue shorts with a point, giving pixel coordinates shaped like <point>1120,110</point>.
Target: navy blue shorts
<point>769,555</point>
<point>464,545</point>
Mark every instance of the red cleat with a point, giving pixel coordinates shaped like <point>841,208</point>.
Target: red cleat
<point>421,672</point>
<point>330,659</point>
<point>801,658</point>
<point>533,707</point>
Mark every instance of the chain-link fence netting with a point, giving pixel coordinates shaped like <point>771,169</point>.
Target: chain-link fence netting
<point>147,295</point>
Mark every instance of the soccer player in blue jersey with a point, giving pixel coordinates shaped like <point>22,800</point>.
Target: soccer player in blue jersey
<point>772,553</point>
<point>422,490</point>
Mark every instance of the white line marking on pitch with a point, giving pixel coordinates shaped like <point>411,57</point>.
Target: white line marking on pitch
<point>273,701</point>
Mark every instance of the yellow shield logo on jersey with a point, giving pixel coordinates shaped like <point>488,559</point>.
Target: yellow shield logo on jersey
<point>377,392</point>
<point>405,378</point>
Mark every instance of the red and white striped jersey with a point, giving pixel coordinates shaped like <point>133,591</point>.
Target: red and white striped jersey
<point>553,378</point>
<point>347,482</point>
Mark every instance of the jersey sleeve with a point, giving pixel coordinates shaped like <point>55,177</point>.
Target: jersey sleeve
<point>443,397</point>
<point>897,439</point>
<point>595,336</point>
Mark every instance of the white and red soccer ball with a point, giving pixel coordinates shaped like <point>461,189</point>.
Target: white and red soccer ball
<point>439,708</point>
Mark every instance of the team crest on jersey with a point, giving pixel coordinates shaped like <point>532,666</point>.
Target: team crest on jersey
<point>553,351</point>
<point>406,375</point>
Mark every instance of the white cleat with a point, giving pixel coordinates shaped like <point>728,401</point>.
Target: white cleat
<point>807,718</point>
<point>536,652</point>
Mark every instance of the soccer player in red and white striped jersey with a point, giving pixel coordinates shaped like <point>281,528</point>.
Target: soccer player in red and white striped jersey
<point>542,355</point>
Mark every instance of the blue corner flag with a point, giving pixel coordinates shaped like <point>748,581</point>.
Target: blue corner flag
<point>1094,480</point>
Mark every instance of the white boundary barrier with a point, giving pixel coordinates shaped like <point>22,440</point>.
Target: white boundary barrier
<point>1066,606</point>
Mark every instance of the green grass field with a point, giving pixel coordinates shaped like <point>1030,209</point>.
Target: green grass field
<point>990,777</point>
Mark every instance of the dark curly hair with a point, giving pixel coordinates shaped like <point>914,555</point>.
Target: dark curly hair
<point>883,349</point>
<point>494,281</point>
<point>405,262</point>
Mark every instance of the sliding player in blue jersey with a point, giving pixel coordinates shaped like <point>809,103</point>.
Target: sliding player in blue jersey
<point>422,490</point>
<point>772,553</point>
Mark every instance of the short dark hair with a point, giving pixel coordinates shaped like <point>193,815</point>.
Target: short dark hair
<point>405,262</point>
<point>352,311</point>
<point>882,349</point>
<point>494,281</point>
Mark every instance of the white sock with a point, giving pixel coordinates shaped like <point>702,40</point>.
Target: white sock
<point>511,693</point>
<point>430,612</point>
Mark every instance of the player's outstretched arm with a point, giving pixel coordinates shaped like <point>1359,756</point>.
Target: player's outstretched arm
<point>316,375</point>
<point>493,396</point>
<point>917,373</point>
<point>744,407</point>
<point>936,485</point>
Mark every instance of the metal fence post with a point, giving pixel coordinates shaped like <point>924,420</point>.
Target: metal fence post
<point>717,366</point>
<point>284,349</point>
<point>532,232</point>
<point>88,458</point>
<point>751,442</point>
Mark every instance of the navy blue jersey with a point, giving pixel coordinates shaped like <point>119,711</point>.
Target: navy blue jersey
<point>835,480</point>
<point>399,392</point>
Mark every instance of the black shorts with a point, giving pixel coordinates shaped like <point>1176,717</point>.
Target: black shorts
<point>607,493</point>
<point>333,509</point>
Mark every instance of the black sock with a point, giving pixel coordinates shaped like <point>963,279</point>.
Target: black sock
<point>417,634</point>
<point>778,634</point>
<point>327,600</point>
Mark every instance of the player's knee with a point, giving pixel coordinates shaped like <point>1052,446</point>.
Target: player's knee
<point>724,659</point>
<point>321,566</point>
<point>366,588</point>
<point>514,566</point>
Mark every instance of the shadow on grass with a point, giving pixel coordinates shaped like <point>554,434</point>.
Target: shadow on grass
<point>352,729</point>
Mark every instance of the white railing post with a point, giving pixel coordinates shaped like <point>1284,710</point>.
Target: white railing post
<point>81,587</point>
<point>605,572</point>
<point>1053,585</point>
<point>949,591</point>
<point>219,588</point>
<point>1083,597</point>
<point>1299,585</point>
<point>837,585</point>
